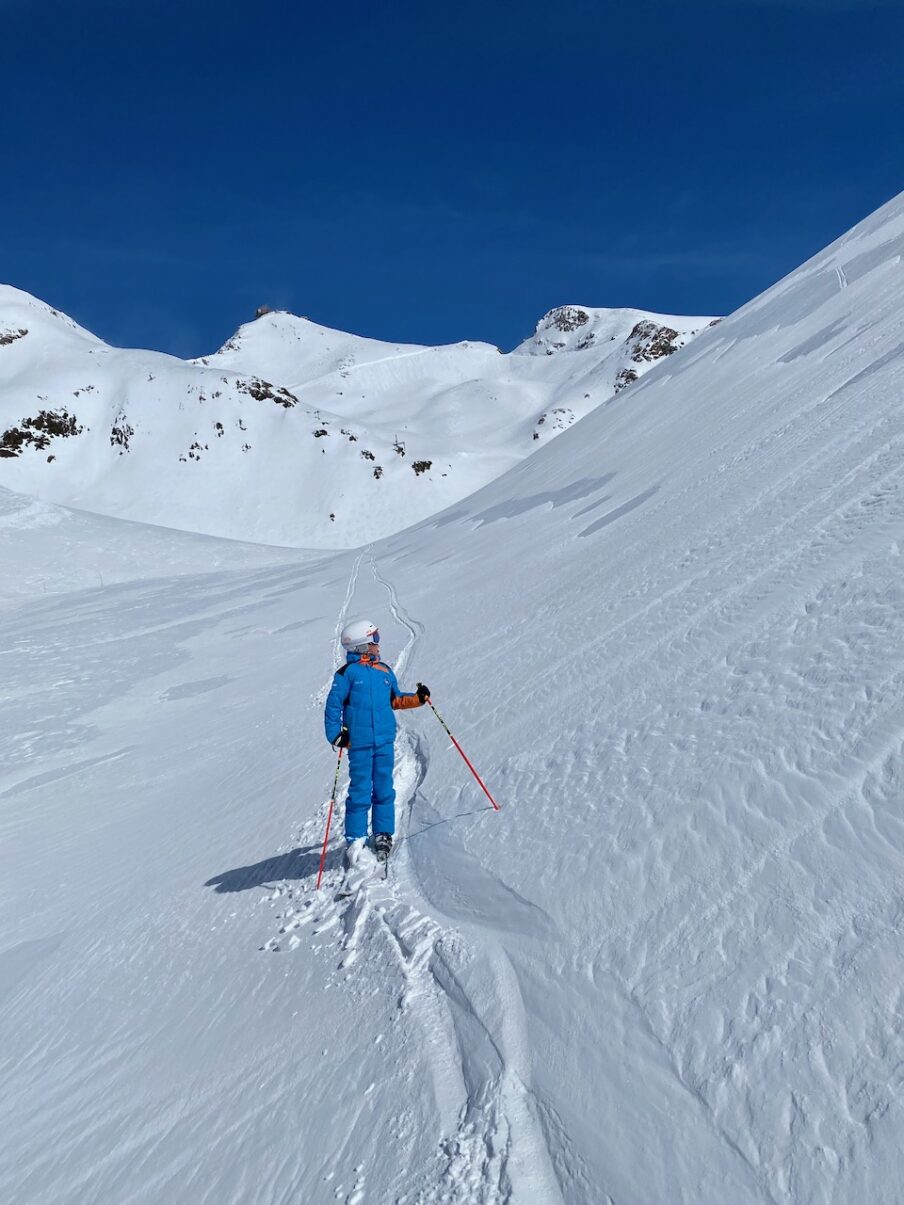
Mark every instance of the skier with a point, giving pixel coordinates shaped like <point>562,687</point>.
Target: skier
<point>358,717</point>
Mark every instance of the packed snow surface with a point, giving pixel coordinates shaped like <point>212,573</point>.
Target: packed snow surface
<point>669,970</point>
<point>292,433</point>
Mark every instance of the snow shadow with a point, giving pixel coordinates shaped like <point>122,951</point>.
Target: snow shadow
<point>793,304</point>
<point>297,864</point>
<point>19,962</point>
<point>188,690</point>
<point>626,508</point>
<point>294,627</point>
<point>890,357</point>
<point>444,820</point>
<point>861,265</point>
<point>816,342</point>
<point>573,492</point>
<point>74,768</point>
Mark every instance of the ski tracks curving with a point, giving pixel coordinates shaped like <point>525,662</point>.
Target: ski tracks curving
<point>454,982</point>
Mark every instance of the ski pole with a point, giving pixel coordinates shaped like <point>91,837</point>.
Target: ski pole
<point>465,756</point>
<point>329,818</point>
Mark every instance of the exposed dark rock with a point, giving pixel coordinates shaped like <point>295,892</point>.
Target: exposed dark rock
<point>120,434</point>
<point>648,341</point>
<point>264,391</point>
<point>37,432</point>
<point>421,466</point>
<point>559,418</point>
<point>10,336</point>
<point>626,377</point>
<point>567,318</point>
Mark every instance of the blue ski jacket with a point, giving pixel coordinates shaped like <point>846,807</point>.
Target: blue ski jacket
<point>363,697</point>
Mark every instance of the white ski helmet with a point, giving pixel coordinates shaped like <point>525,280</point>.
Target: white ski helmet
<point>358,634</point>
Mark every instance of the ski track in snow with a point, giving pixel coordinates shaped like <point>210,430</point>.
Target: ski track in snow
<point>347,369</point>
<point>669,971</point>
<point>454,990</point>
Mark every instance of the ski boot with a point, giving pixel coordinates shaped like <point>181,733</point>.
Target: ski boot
<point>382,846</point>
<point>353,851</point>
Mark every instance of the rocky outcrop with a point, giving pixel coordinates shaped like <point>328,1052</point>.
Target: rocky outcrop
<point>563,320</point>
<point>120,433</point>
<point>567,318</point>
<point>38,432</point>
<point>553,421</point>
<point>264,391</point>
<point>624,378</point>
<point>649,341</point>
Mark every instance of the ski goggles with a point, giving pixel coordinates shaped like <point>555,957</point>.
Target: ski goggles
<point>374,637</point>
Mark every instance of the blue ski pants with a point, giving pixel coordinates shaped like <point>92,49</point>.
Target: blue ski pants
<point>370,786</point>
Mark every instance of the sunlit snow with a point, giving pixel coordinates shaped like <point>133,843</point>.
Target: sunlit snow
<point>669,970</point>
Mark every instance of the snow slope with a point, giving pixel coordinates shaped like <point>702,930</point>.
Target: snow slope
<point>669,970</point>
<point>292,433</point>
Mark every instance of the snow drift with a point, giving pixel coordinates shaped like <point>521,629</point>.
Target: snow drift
<point>668,970</point>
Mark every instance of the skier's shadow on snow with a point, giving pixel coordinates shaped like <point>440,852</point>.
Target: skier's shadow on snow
<point>296,864</point>
<point>302,863</point>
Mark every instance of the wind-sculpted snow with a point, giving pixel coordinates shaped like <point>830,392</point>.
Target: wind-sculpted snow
<point>668,970</point>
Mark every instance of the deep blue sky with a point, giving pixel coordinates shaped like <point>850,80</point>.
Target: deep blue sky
<point>432,172</point>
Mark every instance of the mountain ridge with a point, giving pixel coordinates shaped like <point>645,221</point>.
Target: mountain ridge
<point>293,433</point>
<point>669,970</point>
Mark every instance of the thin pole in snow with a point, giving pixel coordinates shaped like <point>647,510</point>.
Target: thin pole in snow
<point>329,819</point>
<point>465,756</point>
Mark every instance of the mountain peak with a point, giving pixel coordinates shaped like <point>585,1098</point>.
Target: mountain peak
<point>292,432</point>
<point>22,315</point>
<point>580,327</point>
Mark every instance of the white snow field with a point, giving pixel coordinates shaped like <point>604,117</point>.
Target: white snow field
<point>293,433</point>
<point>670,970</point>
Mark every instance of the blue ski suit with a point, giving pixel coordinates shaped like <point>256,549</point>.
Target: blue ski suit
<point>363,697</point>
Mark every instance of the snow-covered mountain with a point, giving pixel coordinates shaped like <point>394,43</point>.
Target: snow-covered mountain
<point>293,433</point>
<point>669,970</point>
